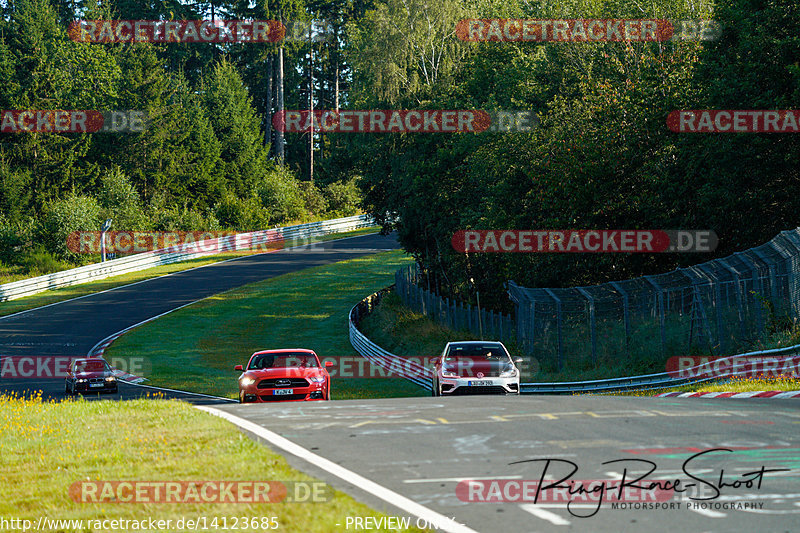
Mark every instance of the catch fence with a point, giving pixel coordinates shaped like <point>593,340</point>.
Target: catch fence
<point>717,306</point>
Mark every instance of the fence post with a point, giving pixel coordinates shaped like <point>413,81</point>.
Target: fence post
<point>559,355</point>
<point>737,282</point>
<point>625,314</point>
<point>756,283</point>
<point>660,304</point>
<point>712,278</point>
<point>592,323</point>
<point>772,280</point>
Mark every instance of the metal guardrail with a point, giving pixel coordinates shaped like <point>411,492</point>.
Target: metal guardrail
<point>165,256</point>
<point>661,380</point>
<point>376,355</point>
<point>422,376</point>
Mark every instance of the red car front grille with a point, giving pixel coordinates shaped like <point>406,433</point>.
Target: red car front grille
<point>278,383</point>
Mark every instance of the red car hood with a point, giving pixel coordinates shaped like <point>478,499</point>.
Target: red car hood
<point>272,373</point>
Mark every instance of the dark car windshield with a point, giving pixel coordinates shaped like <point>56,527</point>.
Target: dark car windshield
<point>477,352</point>
<point>90,366</point>
<point>283,360</point>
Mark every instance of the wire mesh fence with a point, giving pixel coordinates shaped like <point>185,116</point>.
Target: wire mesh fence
<point>456,315</point>
<point>717,306</point>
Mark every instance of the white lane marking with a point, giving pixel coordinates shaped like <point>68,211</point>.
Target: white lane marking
<point>538,512</point>
<point>707,512</point>
<point>170,274</point>
<point>457,479</point>
<point>442,522</point>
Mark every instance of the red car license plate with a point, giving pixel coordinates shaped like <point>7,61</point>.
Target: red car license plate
<point>282,392</point>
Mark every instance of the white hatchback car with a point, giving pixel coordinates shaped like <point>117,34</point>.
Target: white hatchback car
<point>475,367</point>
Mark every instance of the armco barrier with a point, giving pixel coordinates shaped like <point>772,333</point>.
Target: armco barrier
<point>132,263</point>
<point>387,360</point>
<point>376,355</point>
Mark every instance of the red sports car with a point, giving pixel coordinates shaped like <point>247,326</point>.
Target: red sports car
<point>284,375</point>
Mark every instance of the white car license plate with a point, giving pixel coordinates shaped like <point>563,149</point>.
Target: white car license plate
<point>479,383</point>
<point>96,385</point>
<point>282,392</point>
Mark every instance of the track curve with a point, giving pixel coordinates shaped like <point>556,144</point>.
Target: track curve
<point>73,327</point>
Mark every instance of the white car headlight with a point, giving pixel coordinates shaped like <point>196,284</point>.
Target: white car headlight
<point>510,373</point>
<point>447,373</point>
<point>246,381</point>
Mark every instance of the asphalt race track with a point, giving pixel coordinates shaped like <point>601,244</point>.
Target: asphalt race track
<point>74,327</point>
<point>421,448</point>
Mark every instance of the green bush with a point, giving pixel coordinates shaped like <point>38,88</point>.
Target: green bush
<point>39,262</point>
<point>12,239</point>
<point>62,217</point>
<point>280,194</point>
<point>344,198</point>
<point>120,201</point>
<point>315,202</point>
<point>241,214</point>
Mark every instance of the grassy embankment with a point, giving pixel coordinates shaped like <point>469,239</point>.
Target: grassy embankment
<point>48,446</point>
<point>196,348</point>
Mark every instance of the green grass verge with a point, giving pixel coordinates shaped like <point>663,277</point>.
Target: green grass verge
<point>196,348</point>
<point>48,446</point>
<point>728,385</point>
<point>74,291</point>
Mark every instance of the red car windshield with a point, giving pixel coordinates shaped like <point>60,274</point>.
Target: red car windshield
<point>90,366</point>
<point>283,360</point>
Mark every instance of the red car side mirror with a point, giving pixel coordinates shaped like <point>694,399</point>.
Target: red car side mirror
<point>328,363</point>
<point>239,368</point>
